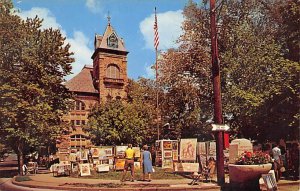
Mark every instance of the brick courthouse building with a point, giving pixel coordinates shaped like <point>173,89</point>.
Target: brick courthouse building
<point>106,79</point>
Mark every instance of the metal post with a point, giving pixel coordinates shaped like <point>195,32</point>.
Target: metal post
<point>157,112</point>
<point>217,94</point>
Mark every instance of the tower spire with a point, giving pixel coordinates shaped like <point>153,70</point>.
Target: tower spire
<point>108,18</point>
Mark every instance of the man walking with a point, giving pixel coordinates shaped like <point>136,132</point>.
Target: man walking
<point>276,152</point>
<point>129,163</point>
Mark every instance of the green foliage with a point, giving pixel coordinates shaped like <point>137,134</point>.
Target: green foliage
<point>259,80</point>
<point>33,63</point>
<point>117,122</point>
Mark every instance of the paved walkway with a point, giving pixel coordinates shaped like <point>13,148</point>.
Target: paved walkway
<point>47,181</point>
<point>68,183</point>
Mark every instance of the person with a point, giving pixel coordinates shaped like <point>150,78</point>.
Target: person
<point>129,163</point>
<point>24,169</point>
<point>276,153</point>
<point>210,168</point>
<point>294,155</point>
<point>146,161</point>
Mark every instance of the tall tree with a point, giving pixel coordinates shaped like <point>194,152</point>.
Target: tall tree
<point>259,84</point>
<point>116,122</point>
<point>33,63</point>
<point>185,77</point>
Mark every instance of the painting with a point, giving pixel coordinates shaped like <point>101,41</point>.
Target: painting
<point>102,168</point>
<point>137,152</point>
<point>108,151</point>
<point>95,152</point>
<point>212,148</point>
<point>188,149</point>
<point>167,163</point>
<point>167,154</point>
<point>175,155</point>
<point>85,169</point>
<point>120,151</point>
<point>174,145</point>
<point>120,164</point>
<point>167,145</point>
<point>73,157</point>
<point>83,155</point>
<point>202,148</point>
<point>186,167</point>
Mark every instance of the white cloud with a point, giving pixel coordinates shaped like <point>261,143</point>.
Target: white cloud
<point>49,19</point>
<point>82,53</point>
<point>93,5</point>
<point>79,42</point>
<point>169,29</point>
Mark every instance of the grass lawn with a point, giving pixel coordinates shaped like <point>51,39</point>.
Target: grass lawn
<point>116,175</point>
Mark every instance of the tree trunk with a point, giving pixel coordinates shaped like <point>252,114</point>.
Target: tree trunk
<point>20,157</point>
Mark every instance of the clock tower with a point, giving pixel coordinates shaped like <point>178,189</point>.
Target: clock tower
<point>110,65</point>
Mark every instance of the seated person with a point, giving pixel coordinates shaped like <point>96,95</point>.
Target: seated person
<point>209,170</point>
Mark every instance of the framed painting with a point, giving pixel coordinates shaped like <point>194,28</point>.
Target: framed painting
<point>212,148</point>
<point>202,148</point>
<point>137,151</point>
<point>120,151</point>
<point>167,163</point>
<point>73,157</point>
<point>95,152</point>
<point>108,151</point>
<point>120,164</point>
<point>188,149</point>
<point>103,168</point>
<point>186,167</point>
<point>167,145</point>
<point>85,169</point>
<point>175,155</point>
<point>167,154</point>
<point>174,145</point>
<point>83,155</point>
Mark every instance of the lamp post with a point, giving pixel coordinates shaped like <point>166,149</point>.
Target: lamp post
<point>217,94</point>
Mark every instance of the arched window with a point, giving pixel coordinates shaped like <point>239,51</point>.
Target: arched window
<point>113,71</point>
<point>112,41</point>
<point>79,105</point>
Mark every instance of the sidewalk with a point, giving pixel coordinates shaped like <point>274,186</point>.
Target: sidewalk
<point>47,181</point>
<point>68,183</point>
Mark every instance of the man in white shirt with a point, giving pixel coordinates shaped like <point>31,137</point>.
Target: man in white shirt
<point>276,153</point>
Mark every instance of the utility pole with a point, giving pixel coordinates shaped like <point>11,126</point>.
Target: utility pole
<point>217,94</point>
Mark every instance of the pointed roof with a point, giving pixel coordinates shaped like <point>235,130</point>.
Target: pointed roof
<point>82,82</point>
<point>101,42</point>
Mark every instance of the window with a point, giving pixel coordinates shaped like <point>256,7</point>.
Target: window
<point>79,105</point>
<point>112,41</point>
<point>82,122</point>
<point>113,71</point>
<point>77,122</point>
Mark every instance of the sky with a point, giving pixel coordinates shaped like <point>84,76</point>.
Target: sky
<point>133,20</point>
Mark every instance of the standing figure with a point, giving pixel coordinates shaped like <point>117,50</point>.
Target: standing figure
<point>294,155</point>
<point>129,163</point>
<point>146,160</point>
<point>276,153</point>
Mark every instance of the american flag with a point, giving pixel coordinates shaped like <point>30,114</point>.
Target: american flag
<point>156,38</point>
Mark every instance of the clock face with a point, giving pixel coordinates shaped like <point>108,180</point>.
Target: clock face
<point>112,41</point>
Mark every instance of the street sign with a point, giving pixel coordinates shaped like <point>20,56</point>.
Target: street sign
<point>220,127</point>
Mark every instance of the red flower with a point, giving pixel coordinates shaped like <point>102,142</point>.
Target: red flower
<point>249,154</point>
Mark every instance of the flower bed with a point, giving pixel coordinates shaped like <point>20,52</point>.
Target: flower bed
<point>249,158</point>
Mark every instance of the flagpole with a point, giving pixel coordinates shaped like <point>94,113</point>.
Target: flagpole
<point>156,76</point>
